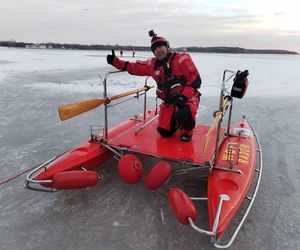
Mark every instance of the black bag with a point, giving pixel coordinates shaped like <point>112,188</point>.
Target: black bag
<point>240,84</point>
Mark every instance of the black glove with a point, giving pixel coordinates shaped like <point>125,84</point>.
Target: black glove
<point>110,58</point>
<point>180,100</point>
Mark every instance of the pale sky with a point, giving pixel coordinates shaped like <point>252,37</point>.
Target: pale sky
<point>252,24</point>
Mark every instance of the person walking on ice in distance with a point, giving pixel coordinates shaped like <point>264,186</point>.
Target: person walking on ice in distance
<point>178,81</point>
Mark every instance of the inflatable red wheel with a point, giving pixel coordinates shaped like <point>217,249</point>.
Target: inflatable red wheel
<point>75,179</point>
<point>182,206</point>
<point>130,169</point>
<point>158,175</point>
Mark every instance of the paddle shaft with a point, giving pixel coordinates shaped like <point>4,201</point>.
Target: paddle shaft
<point>136,91</point>
<point>218,117</point>
<point>70,110</point>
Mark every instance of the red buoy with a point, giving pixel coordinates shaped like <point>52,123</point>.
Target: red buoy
<point>158,175</point>
<point>75,179</point>
<point>130,169</point>
<point>182,206</point>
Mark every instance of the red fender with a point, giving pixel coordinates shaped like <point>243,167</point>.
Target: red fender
<point>182,206</point>
<point>130,169</point>
<point>75,179</point>
<point>158,175</point>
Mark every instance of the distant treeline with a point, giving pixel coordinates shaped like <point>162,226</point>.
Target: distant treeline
<point>235,50</point>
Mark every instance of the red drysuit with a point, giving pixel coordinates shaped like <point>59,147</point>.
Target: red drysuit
<point>176,76</point>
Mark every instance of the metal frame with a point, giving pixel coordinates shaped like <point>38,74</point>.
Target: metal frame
<point>30,182</point>
<point>210,163</point>
<point>106,105</point>
<point>221,102</point>
<point>37,185</point>
<point>119,151</point>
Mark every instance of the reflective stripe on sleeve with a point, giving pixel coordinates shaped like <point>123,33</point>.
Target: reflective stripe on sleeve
<point>182,58</point>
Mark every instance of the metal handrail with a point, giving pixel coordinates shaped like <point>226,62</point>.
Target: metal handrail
<point>224,80</point>
<point>222,197</point>
<point>106,105</point>
<point>30,177</point>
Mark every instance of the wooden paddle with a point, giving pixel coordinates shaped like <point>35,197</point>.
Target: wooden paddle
<point>70,110</point>
<point>218,117</point>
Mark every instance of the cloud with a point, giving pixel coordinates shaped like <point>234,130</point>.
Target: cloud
<point>184,23</point>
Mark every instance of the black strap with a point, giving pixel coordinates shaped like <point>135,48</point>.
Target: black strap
<point>168,66</point>
<point>125,66</point>
<point>168,60</point>
<point>197,83</point>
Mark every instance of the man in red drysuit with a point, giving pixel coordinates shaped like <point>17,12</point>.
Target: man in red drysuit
<point>178,81</point>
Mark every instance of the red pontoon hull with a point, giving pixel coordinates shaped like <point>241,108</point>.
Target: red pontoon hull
<point>233,184</point>
<point>88,155</point>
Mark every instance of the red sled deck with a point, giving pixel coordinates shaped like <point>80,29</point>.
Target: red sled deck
<point>147,141</point>
<point>230,156</point>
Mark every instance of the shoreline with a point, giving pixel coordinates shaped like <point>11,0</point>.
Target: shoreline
<point>188,49</point>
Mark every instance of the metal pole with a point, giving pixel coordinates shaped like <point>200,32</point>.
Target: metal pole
<point>145,100</point>
<point>105,109</point>
<point>106,104</point>
<point>221,110</point>
<point>220,121</point>
<point>229,117</point>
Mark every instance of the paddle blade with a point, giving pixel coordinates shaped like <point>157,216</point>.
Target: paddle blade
<point>70,110</point>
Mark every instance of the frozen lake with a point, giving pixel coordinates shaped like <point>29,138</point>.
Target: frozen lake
<point>114,215</point>
<point>77,71</point>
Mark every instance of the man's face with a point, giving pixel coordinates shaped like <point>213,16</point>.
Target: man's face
<point>161,52</point>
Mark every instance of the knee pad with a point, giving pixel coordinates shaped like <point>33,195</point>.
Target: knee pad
<point>185,118</point>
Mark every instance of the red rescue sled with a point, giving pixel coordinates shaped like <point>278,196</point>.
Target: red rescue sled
<point>230,157</point>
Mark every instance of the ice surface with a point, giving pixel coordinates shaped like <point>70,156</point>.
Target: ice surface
<point>78,71</point>
<point>115,215</point>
